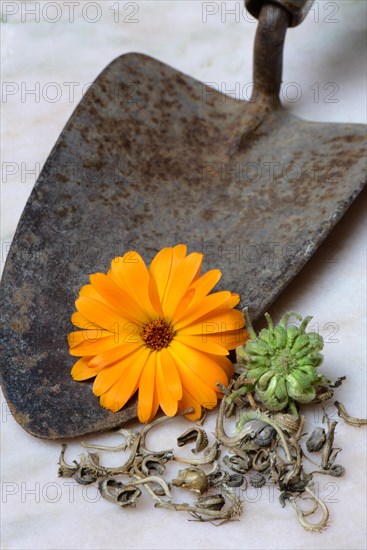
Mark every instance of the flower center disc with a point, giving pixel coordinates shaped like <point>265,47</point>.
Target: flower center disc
<point>158,334</point>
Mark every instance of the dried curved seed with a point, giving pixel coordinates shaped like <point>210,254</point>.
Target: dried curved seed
<point>210,455</point>
<point>129,436</point>
<point>220,433</point>
<point>295,485</point>
<point>119,493</point>
<point>264,436</point>
<point>204,514</point>
<point>153,479</point>
<point>316,440</point>
<point>284,496</point>
<point>65,469</point>
<point>293,474</point>
<point>235,480</point>
<point>230,408</point>
<point>86,473</point>
<point>328,447</point>
<point>247,445</point>
<point>261,460</point>
<point>194,435</point>
<point>84,476</point>
<point>257,480</point>
<point>92,463</point>
<point>237,463</point>
<point>353,421</point>
<point>301,514</point>
<point>152,465</point>
<point>217,478</point>
<point>258,415</point>
<point>287,422</point>
<point>168,454</point>
<point>193,479</point>
<point>211,502</point>
<point>322,396</point>
<point>336,470</point>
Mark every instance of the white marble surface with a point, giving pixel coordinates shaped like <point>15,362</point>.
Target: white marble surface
<point>329,47</point>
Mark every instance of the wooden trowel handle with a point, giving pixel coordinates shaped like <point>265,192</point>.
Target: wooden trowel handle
<point>297,9</point>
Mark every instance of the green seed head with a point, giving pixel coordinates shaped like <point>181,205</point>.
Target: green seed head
<point>283,361</point>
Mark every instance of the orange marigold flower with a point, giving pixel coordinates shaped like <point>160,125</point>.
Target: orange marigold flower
<point>157,331</point>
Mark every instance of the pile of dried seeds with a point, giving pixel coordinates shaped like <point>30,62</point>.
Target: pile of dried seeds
<point>266,448</point>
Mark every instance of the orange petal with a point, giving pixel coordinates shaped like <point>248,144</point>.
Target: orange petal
<point>234,300</point>
<point>192,382</point>
<point>227,340</point>
<point>201,308</point>
<point>155,406</point>
<point>188,401</point>
<point>86,336</point>
<point>184,304</point>
<point>102,315</point>
<point>203,344</point>
<point>81,322</point>
<point>204,284</point>
<point>118,299</point>
<point>170,373</point>
<point>181,281</point>
<point>218,321</point>
<point>90,292</point>
<point>119,394</point>
<point>147,388</point>
<point>180,251</point>
<point>81,371</point>
<point>166,399</point>
<point>93,348</point>
<point>201,365</point>
<point>132,275</point>
<point>164,266</point>
<point>115,354</point>
<point>154,296</point>
<point>226,364</point>
<point>110,375</point>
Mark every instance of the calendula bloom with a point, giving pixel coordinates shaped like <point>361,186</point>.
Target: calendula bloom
<point>156,331</point>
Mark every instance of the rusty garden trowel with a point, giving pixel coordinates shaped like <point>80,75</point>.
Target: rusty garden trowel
<point>154,159</point>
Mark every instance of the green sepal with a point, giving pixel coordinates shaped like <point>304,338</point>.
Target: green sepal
<point>315,359</point>
<point>269,396</point>
<point>257,347</point>
<point>263,381</point>
<point>284,320</point>
<point>267,336</point>
<point>292,335</point>
<point>316,341</point>
<point>241,355</point>
<point>300,343</point>
<point>305,378</point>
<point>256,372</point>
<point>280,335</point>
<point>281,390</point>
<point>294,388</point>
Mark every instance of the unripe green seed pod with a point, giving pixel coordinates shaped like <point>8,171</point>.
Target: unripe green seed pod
<point>283,360</point>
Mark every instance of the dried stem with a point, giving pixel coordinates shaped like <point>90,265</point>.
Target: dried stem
<point>353,421</point>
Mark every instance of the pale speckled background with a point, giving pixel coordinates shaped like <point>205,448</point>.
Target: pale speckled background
<point>40,511</point>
